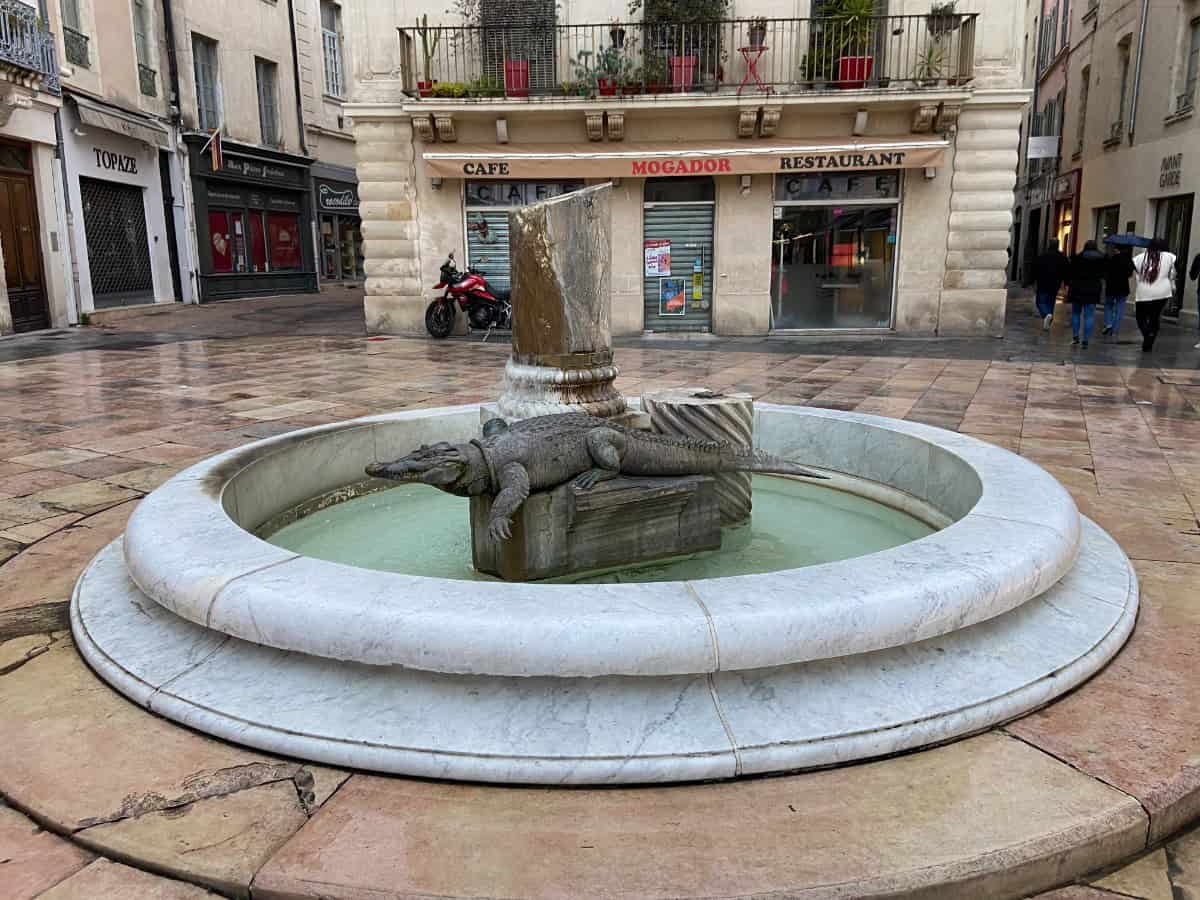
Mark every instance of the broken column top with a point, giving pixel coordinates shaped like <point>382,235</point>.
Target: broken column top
<point>562,279</point>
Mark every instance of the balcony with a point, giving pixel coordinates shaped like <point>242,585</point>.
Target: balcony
<point>75,43</point>
<point>147,81</point>
<point>738,56</point>
<point>26,47</point>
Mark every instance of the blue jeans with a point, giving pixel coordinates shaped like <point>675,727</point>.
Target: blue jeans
<point>1045,302</point>
<point>1114,311</point>
<point>1086,311</point>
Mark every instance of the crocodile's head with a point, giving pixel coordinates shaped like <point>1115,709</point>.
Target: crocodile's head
<point>443,465</point>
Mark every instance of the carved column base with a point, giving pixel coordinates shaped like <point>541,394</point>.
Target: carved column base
<point>710,416</point>
<point>543,390</point>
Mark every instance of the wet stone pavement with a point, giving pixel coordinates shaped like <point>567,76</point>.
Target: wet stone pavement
<point>94,418</point>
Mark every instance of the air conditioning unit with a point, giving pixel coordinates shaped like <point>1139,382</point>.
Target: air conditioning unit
<point>1183,103</point>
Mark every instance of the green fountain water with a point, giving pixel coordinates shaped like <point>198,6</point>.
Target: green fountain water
<point>417,530</point>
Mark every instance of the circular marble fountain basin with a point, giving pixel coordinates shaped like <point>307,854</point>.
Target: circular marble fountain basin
<point>1014,533</point>
<point>1014,602</point>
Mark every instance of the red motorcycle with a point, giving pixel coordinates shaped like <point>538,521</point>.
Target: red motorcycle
<point>485,309</point>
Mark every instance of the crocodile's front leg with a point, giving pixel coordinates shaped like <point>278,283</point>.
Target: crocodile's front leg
<point>514,490</point>
<point>606,447</point>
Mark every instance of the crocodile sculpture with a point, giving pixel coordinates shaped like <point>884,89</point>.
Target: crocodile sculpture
<point>541,453</point>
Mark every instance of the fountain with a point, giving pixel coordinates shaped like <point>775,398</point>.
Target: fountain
<point>610,615</point>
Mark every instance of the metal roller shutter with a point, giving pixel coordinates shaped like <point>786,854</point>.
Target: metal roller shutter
<point>689,228</point>
<point>488,249</point>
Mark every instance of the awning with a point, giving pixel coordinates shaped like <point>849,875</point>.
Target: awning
<point>128,124</point>
<point>667,159</point>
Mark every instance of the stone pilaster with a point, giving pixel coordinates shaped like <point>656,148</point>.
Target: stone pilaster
<point>6,322</point>
<point>394,300</point>
<point>985,171</point>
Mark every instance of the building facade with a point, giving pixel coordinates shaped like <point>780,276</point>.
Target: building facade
<point>793,173</point>
<point>1132,129</point>
<point>33,229</point>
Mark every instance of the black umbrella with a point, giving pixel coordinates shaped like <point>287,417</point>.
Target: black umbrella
<point>1128,240</point>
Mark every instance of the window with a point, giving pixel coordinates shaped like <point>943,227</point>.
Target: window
<point>141,31</point>
<point>75,42</point>
<point>1123,68</point>
<point>268,106</point>
<point>1084,78</point>
<point>331,41</point>
<point>1191,67</point>
<point>208,92</point>
<point>283,240</point>
<point>70,14</point>
<point>1066,22</point>
<point>1108,220</point>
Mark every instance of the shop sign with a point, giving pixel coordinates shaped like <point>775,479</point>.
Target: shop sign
<point>837,187</point>
<point>658,258</point>
<point>1045,147</point>
<point>672,297</point>
<point>1066,185</point>
<point>337,197</point>
<point>516,193</point>
<point>115,162</point>
<point>1170,173</point>
<point>248,168</point>
<point>219,197</point>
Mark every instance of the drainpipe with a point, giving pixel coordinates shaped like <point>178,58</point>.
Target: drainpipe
<point>296,77</point>
<point>1137,69</point>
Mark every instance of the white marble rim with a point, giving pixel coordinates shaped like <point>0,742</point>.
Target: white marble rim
<point>1026,689</point>
<point>1016,534</point>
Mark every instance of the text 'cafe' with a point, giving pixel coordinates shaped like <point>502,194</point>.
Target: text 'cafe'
<point>824,221</point>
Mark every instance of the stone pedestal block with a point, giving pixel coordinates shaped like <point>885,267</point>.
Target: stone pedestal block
<point>615,523</point>
<point>710,416</point>
<point>562,297</point>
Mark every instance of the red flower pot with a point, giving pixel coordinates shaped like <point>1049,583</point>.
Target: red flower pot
<point>683,72</point>
<point>854,71</point>
<point>606,87</point>
<point>516,77</point>
<point>425,88</point>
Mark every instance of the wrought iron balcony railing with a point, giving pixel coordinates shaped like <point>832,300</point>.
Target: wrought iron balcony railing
<point>26,45</point>
<point>76,45</point>
<point>900,53</point>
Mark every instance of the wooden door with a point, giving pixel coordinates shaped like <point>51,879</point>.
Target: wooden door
<point>20,236</point>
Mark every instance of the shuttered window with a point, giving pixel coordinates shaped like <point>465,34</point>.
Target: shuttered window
<point>141,32</point>
<point>208,93</point>
<point>331,43</point>
<point>520,31</point>
<point>679,211</point>
<point>268,107</point>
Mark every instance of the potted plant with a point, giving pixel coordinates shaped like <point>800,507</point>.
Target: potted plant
<point>428,48</point>
<point>516,77</point>
<point>617,34</point>
<point>853,26</point>
<point>942,18</point>
<point>654,74</point>
<point>448,89</point>
<point>485,86</point>
<point>930,63</point>
<point>631,82</point>
<point>758,33</point>
<point>683,72</point>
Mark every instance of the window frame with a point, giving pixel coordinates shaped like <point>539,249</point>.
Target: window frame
<point>206,121</point>
<point>332,54</point>
<point>143,30</point>
<point>1191,62</point>
<point>268,112</point>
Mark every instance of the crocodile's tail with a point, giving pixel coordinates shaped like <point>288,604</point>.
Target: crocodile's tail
<point>759,461</point>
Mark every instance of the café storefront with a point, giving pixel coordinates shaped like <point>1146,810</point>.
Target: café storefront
<point>253,220</point>
<point>339,230</point>
<point>824,217</point>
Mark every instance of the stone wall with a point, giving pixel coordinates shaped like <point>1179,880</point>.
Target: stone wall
<point>395,299</point>
<point>985,164</point>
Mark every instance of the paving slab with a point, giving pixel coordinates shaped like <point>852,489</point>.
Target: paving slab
<point>33,860</point>
<point>1146,878</point>
<point>152,791</point>
<point>1135,725</point>
<point>107,880</point>
<point>987,815</point>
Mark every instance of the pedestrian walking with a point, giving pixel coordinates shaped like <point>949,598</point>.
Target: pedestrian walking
<point>1085,286</point>
<point>1154,272</point>
<point>1116,289</point>
<point>1194,275</point>
<point>1049,272</point>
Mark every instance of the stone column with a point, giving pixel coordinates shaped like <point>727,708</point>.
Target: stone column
<point>710,416</point>
<point>985,172</point>
<point>562,357</point>
<point>394,300</point>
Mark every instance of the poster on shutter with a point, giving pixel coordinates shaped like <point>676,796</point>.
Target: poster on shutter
<point>697,279</point>
<point>658,258</point>
<point>672,297</point>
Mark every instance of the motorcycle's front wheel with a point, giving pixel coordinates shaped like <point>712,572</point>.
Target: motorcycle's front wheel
<point>439,318</point>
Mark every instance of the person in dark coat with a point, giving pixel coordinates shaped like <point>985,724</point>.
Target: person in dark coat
<point>1049,272</point>
<point>1085,287</point>
<point>1116,289</point>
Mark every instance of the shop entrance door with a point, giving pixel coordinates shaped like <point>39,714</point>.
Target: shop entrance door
<point>677,271</point>
<point>1173,223</point>
<point>19,235</point>
<point>114,222</point>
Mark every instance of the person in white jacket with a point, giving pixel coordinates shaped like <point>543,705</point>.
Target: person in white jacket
<point>1154,272</point>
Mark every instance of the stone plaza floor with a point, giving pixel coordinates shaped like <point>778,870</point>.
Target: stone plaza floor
<point>94,418</point>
